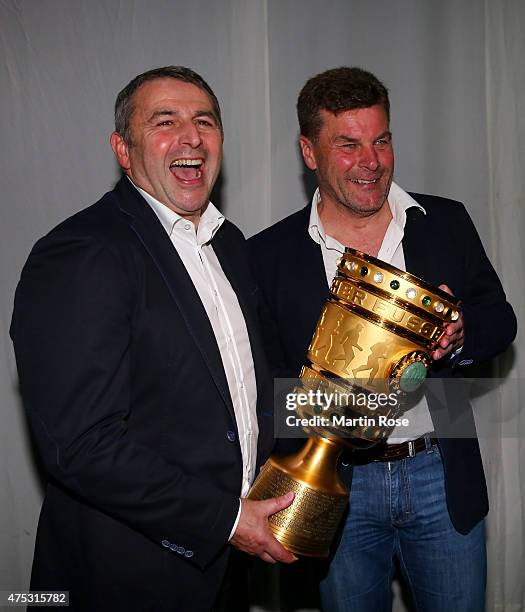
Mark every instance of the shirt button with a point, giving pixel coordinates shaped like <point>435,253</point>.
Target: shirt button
<point>187,226</point>
<point>230,435</point>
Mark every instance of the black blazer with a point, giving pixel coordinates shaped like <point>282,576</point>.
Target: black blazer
<point>441,246</point>
<point>129,405</point>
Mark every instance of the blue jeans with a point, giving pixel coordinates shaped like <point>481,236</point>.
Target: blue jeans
<point>399,509</point>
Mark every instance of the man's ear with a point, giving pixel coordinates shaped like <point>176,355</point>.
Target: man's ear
<point>121,150</point>
<point>307,150</point>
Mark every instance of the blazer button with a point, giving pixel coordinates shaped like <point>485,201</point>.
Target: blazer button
<point>165,543</point>
<point>189,554</point>
<point>230,435</point>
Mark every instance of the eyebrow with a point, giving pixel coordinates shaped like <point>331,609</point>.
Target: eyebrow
<point>169,112</point>
<point>343,138</point>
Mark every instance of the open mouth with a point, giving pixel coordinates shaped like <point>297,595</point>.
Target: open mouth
<point>187,169</point>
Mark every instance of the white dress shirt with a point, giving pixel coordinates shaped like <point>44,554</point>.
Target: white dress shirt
<point>391,251</point>
<point>226,318</point>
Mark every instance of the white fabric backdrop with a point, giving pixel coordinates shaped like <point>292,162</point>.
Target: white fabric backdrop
<point>457,90</point>
<point>505,87</point>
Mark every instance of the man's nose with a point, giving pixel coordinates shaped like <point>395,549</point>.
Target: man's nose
<point>369,159</point>
<point>190,135</point>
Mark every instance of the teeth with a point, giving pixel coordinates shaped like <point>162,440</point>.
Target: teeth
<point>187,162</point>
<point>364,182</point>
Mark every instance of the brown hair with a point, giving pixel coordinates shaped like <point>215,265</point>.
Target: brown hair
<point>338,90</point>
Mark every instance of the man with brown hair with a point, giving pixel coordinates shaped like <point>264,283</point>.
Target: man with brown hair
<point>422,496</point>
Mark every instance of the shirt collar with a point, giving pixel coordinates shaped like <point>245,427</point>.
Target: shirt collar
<point>399,200</point>
<point>210,221</point>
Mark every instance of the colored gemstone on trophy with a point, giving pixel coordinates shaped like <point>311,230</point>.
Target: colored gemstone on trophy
<point>394,285</point>
<point>426,301</point>
<point>413,376</point>
<point>363,271</point>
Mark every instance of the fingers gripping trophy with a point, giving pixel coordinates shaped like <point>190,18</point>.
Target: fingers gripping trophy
<point>375,335</point>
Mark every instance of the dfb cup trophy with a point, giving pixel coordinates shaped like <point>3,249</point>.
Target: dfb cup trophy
<point>375,335</point>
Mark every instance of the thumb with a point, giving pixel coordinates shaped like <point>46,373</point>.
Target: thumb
<point>275,504</point>
<point>446,289</point>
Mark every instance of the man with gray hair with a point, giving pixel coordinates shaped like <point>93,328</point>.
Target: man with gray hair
<point>142,372</point>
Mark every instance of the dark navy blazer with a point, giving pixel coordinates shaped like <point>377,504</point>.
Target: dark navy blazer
<point>441,246</point>
<point>129,406</point>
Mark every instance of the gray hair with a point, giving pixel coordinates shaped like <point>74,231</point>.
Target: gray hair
<point>124,106</point>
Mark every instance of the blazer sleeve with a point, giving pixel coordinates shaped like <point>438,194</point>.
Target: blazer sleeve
<point>72,332</point>
<point>489,320</point>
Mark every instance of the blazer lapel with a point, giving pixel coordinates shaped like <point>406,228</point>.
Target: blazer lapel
<point>418,257</point>
<point>150,232</point>
<point>309,272</point>
<point>228,258</point>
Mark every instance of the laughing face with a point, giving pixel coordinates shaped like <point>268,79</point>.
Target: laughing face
<point>176,148</point>
<point>353,159</point>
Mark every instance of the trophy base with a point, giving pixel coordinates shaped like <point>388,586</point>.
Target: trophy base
<point>307,527</point>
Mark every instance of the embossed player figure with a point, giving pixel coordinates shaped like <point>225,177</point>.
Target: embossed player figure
<point>377,351</point>
<point>349,342</point>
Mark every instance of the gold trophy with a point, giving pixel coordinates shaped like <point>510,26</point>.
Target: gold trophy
<point>374,339</point>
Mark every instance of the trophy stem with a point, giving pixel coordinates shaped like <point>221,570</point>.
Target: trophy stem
<point>308,525</point>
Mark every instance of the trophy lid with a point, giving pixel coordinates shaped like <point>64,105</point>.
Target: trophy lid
<point>383,278</point>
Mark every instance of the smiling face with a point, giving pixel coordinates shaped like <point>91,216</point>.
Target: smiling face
<point>176,145</point>
<point>353,159</point>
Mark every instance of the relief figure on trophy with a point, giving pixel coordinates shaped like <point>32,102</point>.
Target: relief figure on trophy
<point>377,351</point>
<point>350,342</point>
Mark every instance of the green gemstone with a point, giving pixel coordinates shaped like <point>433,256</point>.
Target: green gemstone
<point>394,284</point>
<point>413,377</point>
<point>318,409</point>
<point>363,271</point>
<point>427,300</point>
